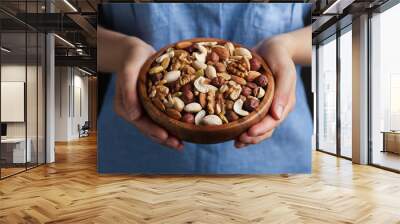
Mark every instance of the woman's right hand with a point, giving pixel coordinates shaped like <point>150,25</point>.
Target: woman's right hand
<point>126,101</point>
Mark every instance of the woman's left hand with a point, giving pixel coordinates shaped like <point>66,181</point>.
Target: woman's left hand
<point>279,59</point>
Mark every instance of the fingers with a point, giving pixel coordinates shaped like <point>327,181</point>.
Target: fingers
<point>285,78</point>
<point>245,140</point>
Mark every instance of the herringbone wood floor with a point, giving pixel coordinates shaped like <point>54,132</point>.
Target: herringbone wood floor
<point>70,191</point>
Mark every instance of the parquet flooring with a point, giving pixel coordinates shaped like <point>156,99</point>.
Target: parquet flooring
<point>70,191</point>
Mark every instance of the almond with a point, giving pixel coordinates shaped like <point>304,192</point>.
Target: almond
<point>238,80</point>
<point>183,44</point>
<point>222,52</point>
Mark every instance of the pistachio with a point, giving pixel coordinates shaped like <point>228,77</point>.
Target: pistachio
<point>199,117</point>
<point>237,107</point>
<point>259,92</point>
<point>211,120</point>
<point>165,63</point>
<point>155,70</point>
<point>255,64</point>
<point>193,107</point>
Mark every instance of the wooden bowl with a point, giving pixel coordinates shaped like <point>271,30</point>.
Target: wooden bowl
<point>204,134</point>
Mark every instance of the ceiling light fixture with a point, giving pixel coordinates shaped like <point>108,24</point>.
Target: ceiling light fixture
<point>70,5</point>
<point>65,41</point>
<point>5,50</point>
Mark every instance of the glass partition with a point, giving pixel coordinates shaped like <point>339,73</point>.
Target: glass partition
<point>22,67</point>
<point>327,96</point>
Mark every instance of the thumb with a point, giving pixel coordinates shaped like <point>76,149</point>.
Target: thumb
<point>285,77</point>
<point>130,101</point>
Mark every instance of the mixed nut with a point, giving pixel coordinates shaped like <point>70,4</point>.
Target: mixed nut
<point>206,83</point>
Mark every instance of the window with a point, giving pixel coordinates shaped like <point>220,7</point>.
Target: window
<point>385,89</point>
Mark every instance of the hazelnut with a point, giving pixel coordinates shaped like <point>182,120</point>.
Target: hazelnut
<point>246,91</point>
<point>252,85</point>
<point>231,116</point>
<point>217,81</point>
<point>250,104</point>
<point>255,64</point>
<point>156,77</point>
<point>188,118</point>
<point>229,104</point>
<point>187,96</point>
<point>213,57</point>
<point>261,80</point>
<point>186,87</point>
<point>220,67</point>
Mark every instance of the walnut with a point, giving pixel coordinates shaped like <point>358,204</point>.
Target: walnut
<point>211,102</point>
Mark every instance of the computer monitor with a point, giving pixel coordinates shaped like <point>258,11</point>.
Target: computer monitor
<point>3,129</point>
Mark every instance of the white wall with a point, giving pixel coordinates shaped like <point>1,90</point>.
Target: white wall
<point>71,94</point>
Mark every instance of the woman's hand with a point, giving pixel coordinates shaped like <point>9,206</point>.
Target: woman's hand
<point>279,59</point>
<point>125,55</point>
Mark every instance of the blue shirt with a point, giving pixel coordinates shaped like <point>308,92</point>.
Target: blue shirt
<point>123,149</point>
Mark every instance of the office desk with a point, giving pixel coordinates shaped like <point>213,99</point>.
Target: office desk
<point>391,141</point>
<point>13,150</point>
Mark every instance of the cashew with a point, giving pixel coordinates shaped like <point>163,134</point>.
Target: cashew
<point>199,116</point>
<point>237,107</point>
<point>172,76</point>
<point>200,57</point>
<point>178,103</point>
<point>211,72</point>
<point>193,108</point>
<point>240,51</point>
<point>211,120</point>
<point>199,65</point>
<point>202,87</point>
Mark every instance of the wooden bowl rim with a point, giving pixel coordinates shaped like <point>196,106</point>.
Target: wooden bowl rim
<point>266,101</point>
